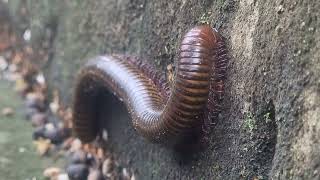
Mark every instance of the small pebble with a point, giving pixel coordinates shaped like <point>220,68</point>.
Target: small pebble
<point>29,112</point>
<point>95,175</point>
<point>51,172</point>
<point>75,145</point>
<point>22,149</point>
<point>107,167</point>
<point>62,177</point>
<point>54,135</point>
<point>3,63</point>
<point>50,127</point>
<point>125,174</point>
<point>35,103</point>
<point>105,135</point>
<point>133,177</point>
<point>7,111</point>
<point>38,133</point>
<point>78,157</point>
<point>91,159</point>
<point>38,119</point>
<point>43,146</point>
<point>280,9</point>
<point>13,68</point>
<point>77,171</point>
<point>54,107</point>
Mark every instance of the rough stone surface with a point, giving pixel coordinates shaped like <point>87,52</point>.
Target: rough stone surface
<point>270,125</point>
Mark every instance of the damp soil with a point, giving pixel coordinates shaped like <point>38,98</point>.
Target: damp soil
<point>269,127</point>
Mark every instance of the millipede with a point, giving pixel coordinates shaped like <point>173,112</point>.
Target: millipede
<point>161,113</point>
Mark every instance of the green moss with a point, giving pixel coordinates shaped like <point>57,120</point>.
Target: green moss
<point>215,168</point>
<point>267,117</point>
<point>155,168</point>
<point>205,17</point>
<point>221,2</point>
<point>249,122</point>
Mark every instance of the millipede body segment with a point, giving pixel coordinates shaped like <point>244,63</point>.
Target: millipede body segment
<point>159,113</point>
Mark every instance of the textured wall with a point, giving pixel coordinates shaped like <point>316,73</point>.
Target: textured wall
<point>270,124</point>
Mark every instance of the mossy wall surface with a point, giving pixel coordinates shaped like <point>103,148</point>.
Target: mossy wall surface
<point>270,125</point>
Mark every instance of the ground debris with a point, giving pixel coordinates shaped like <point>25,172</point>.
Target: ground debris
<point>51,172</point>
<point>7,111</point>
<point>52,122</point>
<point>43,146</point>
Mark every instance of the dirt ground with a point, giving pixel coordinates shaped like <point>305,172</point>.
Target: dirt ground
<point>270,125</point>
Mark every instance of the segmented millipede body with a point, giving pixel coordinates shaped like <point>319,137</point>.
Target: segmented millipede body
<point>159,113</point>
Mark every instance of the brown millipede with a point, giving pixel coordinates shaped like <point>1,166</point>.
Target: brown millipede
<point>158,113</point>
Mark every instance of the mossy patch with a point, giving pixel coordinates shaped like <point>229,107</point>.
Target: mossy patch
<point>249,123</point>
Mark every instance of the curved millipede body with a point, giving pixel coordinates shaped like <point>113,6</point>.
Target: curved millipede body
<point>158,112</point>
